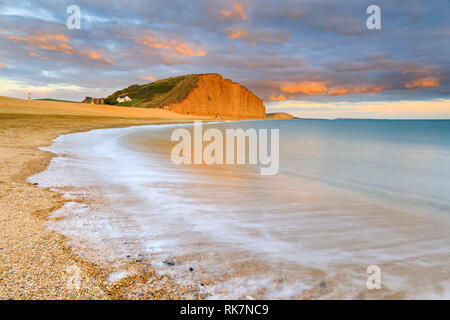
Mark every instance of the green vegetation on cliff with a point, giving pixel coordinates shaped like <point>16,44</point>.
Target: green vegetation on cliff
<point>156,94</point>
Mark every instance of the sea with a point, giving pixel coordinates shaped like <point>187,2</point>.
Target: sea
<point>350,197</point>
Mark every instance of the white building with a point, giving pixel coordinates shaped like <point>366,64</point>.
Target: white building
<point>123,99</point>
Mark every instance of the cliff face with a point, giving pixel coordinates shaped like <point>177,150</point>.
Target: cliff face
<point>220,98</point>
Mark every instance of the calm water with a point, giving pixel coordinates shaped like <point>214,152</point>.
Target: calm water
<point>349,194</point>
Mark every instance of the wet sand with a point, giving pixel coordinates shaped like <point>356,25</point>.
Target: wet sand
<point>34,260</point>
<point>154,213</point>
<point>38,263</point>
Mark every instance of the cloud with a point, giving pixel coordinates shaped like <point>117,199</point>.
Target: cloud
<point>339,91</point>
<point>56,43</point>
<point>94,55</point>
<point>236,13</point>
<point>254,37</point>
<point>237,34</point>
<point>37,55</point>
<point>428,82</point>
<point>2,65</point>
<point>317,88</point>
<point>17,11</point>
<point>378,64</point>
<point>149,78</point>
<point>279,98</point>
<point>48,41</point>
<point>307,88</point>
<point>173,46</point>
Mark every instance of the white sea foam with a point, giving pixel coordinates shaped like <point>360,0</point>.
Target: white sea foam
<point>143,205</point>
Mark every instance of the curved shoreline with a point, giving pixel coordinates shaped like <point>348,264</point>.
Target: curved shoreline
<point>35,260</point>
<point>81,220</point>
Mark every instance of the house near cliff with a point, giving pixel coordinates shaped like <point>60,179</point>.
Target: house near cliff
<point>91,100</point>
<point>121,99</point>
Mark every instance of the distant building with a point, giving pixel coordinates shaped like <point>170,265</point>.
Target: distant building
<point>99,100</point>
<point>121,99</point>
<point>87,100</point>
<point>93,100</point>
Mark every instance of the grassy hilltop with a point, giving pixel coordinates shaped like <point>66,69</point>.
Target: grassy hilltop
<point>156,94</point>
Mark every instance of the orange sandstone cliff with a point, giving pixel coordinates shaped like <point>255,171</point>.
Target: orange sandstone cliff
<point>217,97</point>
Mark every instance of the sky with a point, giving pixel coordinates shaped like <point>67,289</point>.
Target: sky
<point>311,58</point>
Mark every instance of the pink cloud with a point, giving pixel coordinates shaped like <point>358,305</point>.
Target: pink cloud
<point>57,43</point>
<point>339,91</point>
<point>427,82</point>
<point>173,46</point>
<point>255,36</point>
<point>149,78</point>
<point>279,98</point>
<point>47,41</point>
<point>308,88</point>
<point>236,13</point>
<point>37,55</point>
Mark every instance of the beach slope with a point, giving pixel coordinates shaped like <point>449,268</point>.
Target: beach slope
<point>35,262</point>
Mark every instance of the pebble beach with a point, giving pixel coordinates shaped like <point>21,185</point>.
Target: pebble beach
<point>35,262</point>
